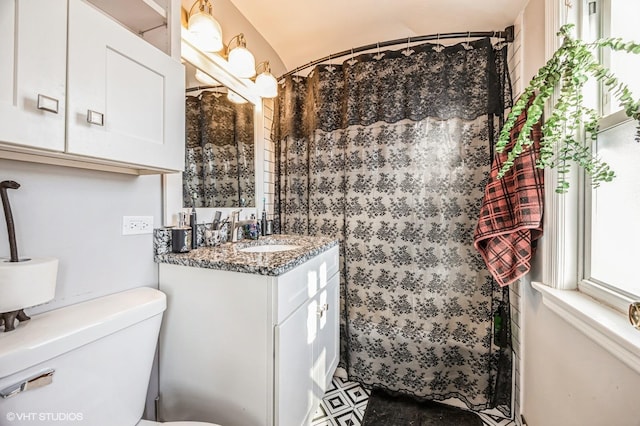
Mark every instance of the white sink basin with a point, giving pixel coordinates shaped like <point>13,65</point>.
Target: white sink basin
<point>269,248</point>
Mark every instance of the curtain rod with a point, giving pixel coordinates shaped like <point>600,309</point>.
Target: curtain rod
<point>508,35</point>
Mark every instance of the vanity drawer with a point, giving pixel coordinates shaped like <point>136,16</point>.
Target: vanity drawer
<point>302,283</point>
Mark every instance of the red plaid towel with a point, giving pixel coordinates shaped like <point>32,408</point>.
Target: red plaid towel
<point>511,215</point>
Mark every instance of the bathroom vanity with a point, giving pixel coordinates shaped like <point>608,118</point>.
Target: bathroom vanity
<point>251,332</point>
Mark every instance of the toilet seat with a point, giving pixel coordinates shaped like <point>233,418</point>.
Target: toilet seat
<point>150,423</point>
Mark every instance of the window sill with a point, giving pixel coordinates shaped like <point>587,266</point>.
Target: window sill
<point>605,326</point>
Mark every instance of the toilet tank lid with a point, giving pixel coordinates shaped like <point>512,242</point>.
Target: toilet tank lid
<point>53,333</point>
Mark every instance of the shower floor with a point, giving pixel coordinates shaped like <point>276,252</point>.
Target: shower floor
<point>344,404</point>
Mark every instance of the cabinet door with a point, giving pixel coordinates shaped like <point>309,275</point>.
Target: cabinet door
<point>33,35</point>
<point>125,97</point>
<point>294,339</point>
<point>327,345</point>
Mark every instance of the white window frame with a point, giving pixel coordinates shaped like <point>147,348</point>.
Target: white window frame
<point>591,307</point>
<point>615,297</point>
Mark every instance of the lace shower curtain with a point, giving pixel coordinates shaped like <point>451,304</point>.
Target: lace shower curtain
<point>390,153</point>
<point>219,160</point>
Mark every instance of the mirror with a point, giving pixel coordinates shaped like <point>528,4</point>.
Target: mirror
<point>217,68</point>
<point>220,151</point>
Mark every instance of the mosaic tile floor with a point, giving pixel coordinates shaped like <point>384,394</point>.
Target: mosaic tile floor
<point>344,404</point>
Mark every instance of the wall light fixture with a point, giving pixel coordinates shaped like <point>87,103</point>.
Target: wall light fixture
<point>265,81</point>
<point>204,27</point>
<point>240,59</point>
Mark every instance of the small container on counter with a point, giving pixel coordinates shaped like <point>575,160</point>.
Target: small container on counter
<point>251,231</point>
<point>181,239</point>
<point>212,236</point>
<point>181,235</point>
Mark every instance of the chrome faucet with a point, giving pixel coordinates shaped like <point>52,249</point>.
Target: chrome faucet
<point>235,221</point>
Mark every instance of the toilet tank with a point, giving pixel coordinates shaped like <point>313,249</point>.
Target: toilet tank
<point>100,352</point>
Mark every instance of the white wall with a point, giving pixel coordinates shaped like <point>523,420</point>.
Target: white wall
<point>567,379</point>
<point>76,216</point>
<point>570,380</point>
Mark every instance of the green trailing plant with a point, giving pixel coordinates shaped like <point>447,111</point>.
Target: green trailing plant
<point>566,74</point>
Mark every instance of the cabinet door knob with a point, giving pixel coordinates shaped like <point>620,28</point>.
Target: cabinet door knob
<point>95,117</point>
<point>322,309</point>
<point>47,103</point>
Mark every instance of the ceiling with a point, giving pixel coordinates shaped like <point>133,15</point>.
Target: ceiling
<point>303,30</point>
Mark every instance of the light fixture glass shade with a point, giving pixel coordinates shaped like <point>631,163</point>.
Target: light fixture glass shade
<point>205,78</point>
<point>207,31</point>
<point>242,62</point>
<point>267,85</point>
<point>235,98</point>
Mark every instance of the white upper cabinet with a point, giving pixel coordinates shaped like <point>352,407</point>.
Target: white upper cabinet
<point>80,89</point>
<point>33,42</point>
<point>125,97</point>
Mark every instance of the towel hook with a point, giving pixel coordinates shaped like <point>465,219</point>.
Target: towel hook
<point>567,5</point>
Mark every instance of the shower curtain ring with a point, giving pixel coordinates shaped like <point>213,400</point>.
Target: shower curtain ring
<point>331,68</point>
<point>352,60</point>
<point>408,50</point>
<point>378,55</point>
<point>439,48</point>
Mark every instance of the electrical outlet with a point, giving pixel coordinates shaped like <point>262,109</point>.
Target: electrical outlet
<point>133,225</point>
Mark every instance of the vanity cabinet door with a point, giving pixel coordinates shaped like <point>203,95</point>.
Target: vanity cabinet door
<point>125,97</point>
<point>307,350</point>
<point>294,384</point>
<point>327,344</point>
<point>33,36</point>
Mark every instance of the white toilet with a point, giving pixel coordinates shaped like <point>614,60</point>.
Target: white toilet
<point>85,364</point>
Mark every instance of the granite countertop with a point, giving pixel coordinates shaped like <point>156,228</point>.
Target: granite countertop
<point>228,257</point>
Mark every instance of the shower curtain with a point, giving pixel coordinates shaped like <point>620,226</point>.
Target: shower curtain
<point>219,158</point>
<point>390,153</point>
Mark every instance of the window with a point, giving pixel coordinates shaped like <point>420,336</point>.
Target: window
<point>611,249</point>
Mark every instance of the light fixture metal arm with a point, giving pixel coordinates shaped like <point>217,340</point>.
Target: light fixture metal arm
<point>202,4</point>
